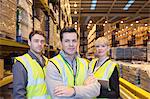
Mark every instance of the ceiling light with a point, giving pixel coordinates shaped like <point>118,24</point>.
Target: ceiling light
<point>134,28</point>
<point>145,24</point>
<point>105,21</point>
<point>88,27</point>
<point>75,5</point>
<point>121,21</point>
<point>90,21</point>
<point>108,31</point>
<point>75,12</point>
<point>131,24</point>
<point>75,26</point>
<point>126,27</point>
<point>89,24</point>
<point>137,22</point>
<point>75,22</point>
<point>103,24</point>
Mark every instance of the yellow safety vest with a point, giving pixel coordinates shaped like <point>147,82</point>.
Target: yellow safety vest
<point>67,72</point>
<point>105,71</point>
<point>36,87</point>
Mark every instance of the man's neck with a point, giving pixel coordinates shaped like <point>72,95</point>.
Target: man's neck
<point>38,55</point>
<point>71,57</point>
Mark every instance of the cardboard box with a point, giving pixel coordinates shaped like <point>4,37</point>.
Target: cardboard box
<point>1,68</point>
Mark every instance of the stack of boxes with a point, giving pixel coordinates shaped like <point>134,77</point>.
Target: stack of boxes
<point>8,19</point>
<point>1,68</point>
<point>25,23</point>
<point>129,53</point>
<point>137,74</point>
<point>148,51</point>
<point>145,78</point>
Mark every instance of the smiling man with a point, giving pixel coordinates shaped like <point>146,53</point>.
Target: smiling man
<point>67,75</point>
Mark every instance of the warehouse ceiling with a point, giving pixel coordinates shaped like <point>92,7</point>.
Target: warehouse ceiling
<point>112,11</point>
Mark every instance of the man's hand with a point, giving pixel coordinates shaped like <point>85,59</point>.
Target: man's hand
<point>64,91</point>
<point>90,80</point>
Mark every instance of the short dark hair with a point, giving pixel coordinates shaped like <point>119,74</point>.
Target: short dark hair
<point>69,30</point>
<point>36,32</point>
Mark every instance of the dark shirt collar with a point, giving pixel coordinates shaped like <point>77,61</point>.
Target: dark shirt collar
<point>35,58</point>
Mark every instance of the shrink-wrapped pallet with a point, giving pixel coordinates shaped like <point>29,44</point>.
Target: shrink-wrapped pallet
<point>1,68</point>
<point>8,19</point>
<point>25,23</point>
<point>128,53</point>
<point>139,54</point>
<point>137,74</point>
<point>145,77</point>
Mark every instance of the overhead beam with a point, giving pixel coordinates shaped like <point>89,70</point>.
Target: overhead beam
<point>100,20</point>
<point>87,19</point>
<point>146,3</point>
<point>111,14</point>
<point>111,6</point>
<point>103,5</point>
<point>104,1</point>
<point>103,8</point>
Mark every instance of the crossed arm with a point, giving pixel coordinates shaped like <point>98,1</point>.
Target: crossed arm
<point>57,90</point>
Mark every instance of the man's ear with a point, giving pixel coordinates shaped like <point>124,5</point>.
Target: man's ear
<point>29,42</point>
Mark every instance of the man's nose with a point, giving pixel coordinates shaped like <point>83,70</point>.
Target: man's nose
<point>40,43</point>
<point>71,43</point>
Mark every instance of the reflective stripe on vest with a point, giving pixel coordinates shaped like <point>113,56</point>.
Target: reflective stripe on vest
<point>105,71</point>
<point>67,72</point>
<point>36,87</point>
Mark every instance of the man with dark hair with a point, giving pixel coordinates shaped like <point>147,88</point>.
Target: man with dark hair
<point>28,70</point>
<point>67,74</point>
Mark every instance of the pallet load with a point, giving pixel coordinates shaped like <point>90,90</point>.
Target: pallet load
<point>139,54</point>
<point>129,53</point>
<point>25,23</point>
<point>148,51</point>
<point>1,68</point>
<point>137,74</point>
<point>117,53</point>
<point>129,73</point>
<point>145,79</point>
<point>8,19</point>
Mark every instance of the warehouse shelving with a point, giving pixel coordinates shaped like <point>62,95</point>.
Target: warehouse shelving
<point>7,47</point>
<point>44,6</point>
<point>12,43</point>
<point>91,39</point>
<point>6,80</point>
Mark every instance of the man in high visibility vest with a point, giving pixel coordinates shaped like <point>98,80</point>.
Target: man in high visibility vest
<point>105,70</point>
<point>67,74</point>
<point>28,70</point>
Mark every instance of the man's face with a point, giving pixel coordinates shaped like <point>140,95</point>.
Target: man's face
<point>70,43</point>
<point>37,43</point>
